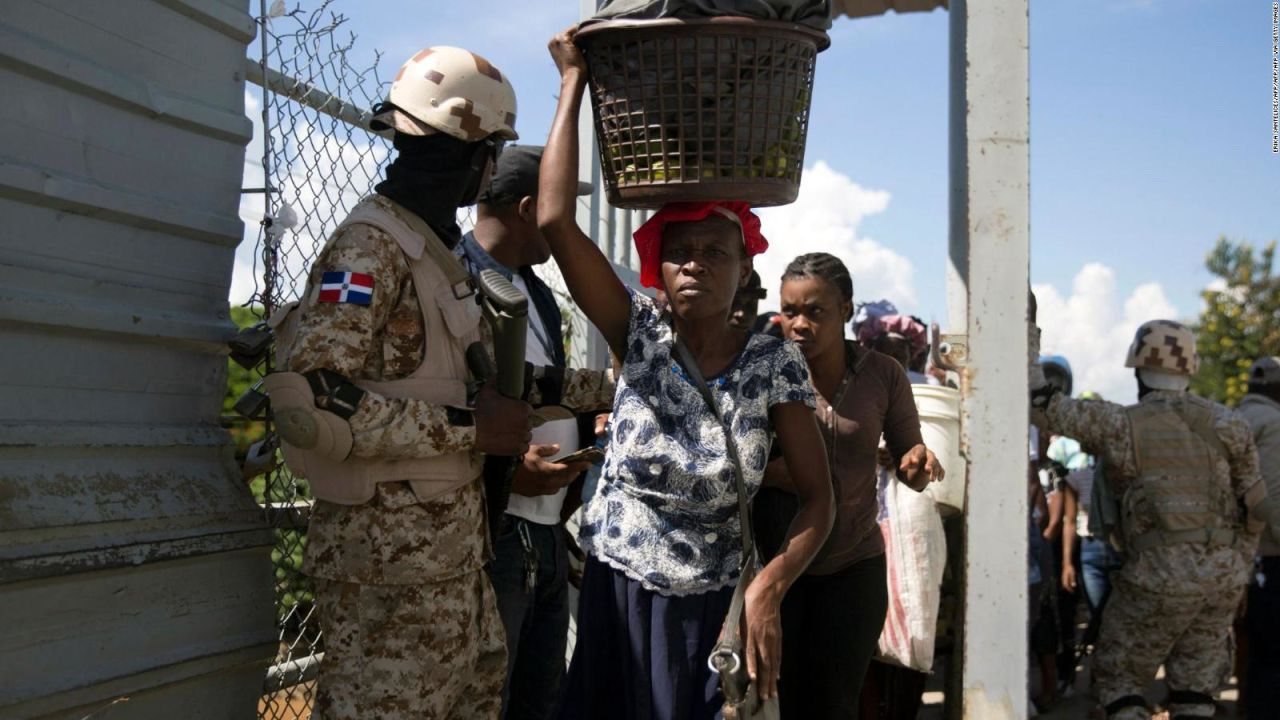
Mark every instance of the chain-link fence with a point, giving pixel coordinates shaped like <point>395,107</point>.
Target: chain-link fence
<point>318,159</point>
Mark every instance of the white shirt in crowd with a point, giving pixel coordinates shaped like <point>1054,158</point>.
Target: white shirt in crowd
<point>544,509</point>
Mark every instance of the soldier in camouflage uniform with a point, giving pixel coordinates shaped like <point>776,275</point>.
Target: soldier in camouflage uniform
<point>376,412</point>
<point>1183,469</point>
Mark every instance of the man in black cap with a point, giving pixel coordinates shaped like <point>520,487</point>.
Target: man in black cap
<point>530,566</point>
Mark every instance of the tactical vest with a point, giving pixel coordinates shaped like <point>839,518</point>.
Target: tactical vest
<point>451,320</point>
<point>1178,495</point>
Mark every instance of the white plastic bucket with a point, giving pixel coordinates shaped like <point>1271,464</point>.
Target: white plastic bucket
<point>939,409</point>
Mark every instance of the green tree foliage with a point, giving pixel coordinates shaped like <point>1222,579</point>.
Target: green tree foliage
<point>1240,321</point>
<point>243,432</point>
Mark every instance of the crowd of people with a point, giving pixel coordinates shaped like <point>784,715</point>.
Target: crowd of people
<point>742,459</point>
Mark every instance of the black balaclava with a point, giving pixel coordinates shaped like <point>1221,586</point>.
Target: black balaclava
<point>432,176</point>
<point>1143,388</point>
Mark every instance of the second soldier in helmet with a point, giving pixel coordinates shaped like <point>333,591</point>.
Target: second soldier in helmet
<point>1182,468</point>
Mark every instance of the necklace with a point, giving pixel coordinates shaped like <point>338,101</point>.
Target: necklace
<point>836,399</point>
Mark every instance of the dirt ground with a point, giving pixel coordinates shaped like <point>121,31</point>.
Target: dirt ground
<point>1080,703</point>
<point>290,704</point>
<point>294,703</point>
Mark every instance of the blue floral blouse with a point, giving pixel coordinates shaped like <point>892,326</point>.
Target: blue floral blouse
<point>666,512</point>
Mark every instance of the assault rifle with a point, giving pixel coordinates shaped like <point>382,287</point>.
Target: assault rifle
<point>507,310</point>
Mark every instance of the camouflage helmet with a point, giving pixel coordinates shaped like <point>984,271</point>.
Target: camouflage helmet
<point>1164,345</point>
<point>450,90</point>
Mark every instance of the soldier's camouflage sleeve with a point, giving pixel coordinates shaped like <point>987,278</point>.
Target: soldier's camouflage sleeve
<point>1237,436</point>
<point>340,336</point>
<point>583,390</point>
<point>579,390</point>
<point>1101,428</point>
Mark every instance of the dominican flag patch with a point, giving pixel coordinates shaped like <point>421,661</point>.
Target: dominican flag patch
<point>337,286</point>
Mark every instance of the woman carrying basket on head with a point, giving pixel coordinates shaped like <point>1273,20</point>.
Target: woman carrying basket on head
<point>662,533</point>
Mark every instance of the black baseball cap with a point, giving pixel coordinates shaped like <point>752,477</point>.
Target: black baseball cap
<point>516,175</point>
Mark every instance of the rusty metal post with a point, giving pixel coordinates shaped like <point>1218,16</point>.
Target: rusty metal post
<point>987,293</point>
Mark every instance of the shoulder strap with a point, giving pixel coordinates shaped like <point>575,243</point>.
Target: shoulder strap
<point>1201,423</point>
<point>1140,415</point>
<point>415,237</point>
<point>1197,420</point>
<point>727,655</point>
<point>744,508</point>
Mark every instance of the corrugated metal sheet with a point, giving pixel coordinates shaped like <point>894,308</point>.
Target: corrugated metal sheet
<point>864,8</point>
<point>133,561</point>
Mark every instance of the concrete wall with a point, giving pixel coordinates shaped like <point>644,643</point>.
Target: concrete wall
<point>133,561</point>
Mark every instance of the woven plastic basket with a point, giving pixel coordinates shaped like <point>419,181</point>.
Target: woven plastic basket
<point>707,109</point>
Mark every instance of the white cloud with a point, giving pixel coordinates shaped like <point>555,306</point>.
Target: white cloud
<point>1093,327</point>
<point>327,174</point>
<point>244,275</point>
<point>243,282</point>
<point>825,218</point>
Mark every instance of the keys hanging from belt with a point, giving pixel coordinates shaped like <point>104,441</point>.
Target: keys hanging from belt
<point>530,557</point>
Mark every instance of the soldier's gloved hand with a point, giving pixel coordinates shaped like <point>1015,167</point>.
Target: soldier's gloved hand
<point>502,424</point>
<point>539,476</point>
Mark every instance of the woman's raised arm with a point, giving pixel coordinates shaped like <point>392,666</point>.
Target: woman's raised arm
<point>587,273</point>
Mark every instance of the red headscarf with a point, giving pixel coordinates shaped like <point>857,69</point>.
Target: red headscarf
<point>648,237</point>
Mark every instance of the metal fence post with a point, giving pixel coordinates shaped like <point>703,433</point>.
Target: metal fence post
<point>990,256</point>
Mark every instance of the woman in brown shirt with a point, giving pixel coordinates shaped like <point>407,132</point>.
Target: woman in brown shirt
<point>832,618</point>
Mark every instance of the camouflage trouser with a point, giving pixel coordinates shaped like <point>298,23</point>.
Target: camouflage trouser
<point>430,651</point>
<point>1141,629</point>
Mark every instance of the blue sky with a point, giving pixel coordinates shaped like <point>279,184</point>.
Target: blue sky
<point>1150,137</point>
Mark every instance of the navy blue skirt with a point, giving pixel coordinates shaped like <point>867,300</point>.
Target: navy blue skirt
<point>641,655</point>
